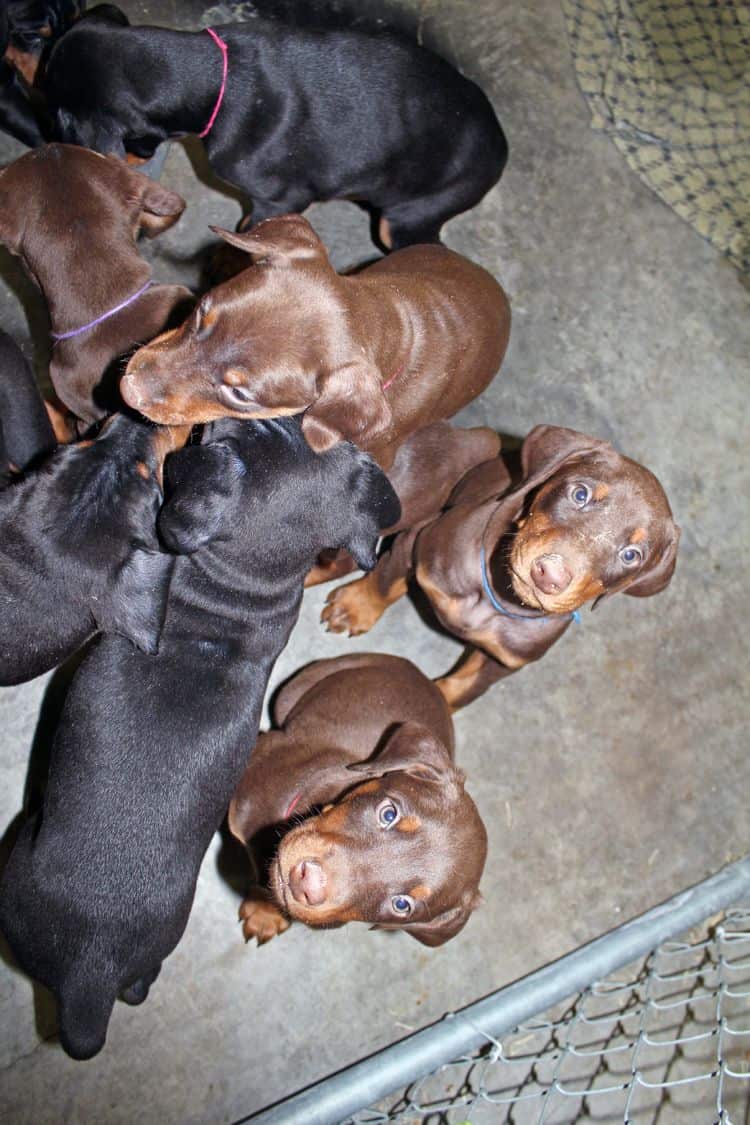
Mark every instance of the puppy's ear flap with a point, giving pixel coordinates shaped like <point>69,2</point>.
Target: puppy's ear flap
<point>160,207</point>
<point>282,241</point>
<point>137,604</point>
<point>200,480</point>
<point>446,925</point>
<point>350,406</point>
<point>657,576</point>
<point>546,448</point>
<point>374,508</point>
<point>411,749</point>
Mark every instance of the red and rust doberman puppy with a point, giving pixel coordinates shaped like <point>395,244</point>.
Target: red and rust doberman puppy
<point>73,217</point>
<point>370,357</point>
<point>506,571</point>
<point>398,842</point>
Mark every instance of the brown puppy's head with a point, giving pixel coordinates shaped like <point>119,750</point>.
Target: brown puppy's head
<point>91,207</point>
<point>273,340</point>
<point>404,849</point>
<point>596,523</point>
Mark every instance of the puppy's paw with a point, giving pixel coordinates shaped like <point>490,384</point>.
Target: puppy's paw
<point>262,919</point>
<point>351,609</point>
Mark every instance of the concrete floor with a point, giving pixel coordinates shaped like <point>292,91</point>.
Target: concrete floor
<point>612,774</point>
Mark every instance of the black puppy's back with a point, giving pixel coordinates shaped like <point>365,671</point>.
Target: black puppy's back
<point>98,890</point>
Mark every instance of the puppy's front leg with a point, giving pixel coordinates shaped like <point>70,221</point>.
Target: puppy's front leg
<point>474,673</point>
<point>356,607</point>
<point>261,917</point>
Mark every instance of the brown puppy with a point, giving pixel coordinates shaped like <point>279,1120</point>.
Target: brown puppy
<point>506,571</point>
<point>73,217</point>
<point>398,842</point>
<point>369,357</point>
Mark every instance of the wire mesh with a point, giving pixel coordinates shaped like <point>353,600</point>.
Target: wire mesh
<point>665,1041</point>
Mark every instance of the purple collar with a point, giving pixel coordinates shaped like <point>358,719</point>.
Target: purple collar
<point>105,316</point>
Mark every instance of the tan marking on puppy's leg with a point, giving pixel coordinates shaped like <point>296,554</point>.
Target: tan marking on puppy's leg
<point>384,233</point>
<point>261,919</point>
<point>355,608</point>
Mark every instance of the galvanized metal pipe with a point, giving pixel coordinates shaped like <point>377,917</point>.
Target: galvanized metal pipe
<point>334,1099</point>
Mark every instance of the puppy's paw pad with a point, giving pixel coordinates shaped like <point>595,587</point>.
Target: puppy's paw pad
<point>349,610</point>
<point>262,920</point>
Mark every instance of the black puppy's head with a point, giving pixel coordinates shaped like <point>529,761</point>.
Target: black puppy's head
<point>259,485</point>
<point>102,497</point>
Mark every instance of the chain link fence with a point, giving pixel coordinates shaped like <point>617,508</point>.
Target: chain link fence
<point>649,1023</point>
<point>667,1039</point>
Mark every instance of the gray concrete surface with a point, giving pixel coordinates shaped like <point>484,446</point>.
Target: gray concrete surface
<point>610,775</point>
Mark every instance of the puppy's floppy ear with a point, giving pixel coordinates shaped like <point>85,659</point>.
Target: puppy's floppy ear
<point>546,448</point>
<point>160,207</point>
<point>446,925</point>
<point>373,507</point>
<point>350,406</point>
<point>200,480</point>
<point>283,241</point>
<point>137,603</point>
<point>655,577</point>
<point>411,749</point>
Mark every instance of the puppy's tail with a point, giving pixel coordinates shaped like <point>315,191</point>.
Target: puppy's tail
<point>84,1010</point>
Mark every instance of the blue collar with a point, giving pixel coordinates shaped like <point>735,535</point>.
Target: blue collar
<point>574,616</point>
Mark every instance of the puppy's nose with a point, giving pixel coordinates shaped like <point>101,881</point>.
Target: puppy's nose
<point>550,574</point>
<point>307,882</point>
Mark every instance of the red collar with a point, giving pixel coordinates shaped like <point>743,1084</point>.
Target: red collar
<point>225,66</point>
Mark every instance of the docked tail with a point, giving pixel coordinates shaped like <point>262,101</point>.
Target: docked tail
<point>84,1010</point>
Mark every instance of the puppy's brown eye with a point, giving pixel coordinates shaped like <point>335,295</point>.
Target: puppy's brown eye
<point>402,904</point>
<point>580,494</point>
<point>631,555</point>
<point>388,814</point>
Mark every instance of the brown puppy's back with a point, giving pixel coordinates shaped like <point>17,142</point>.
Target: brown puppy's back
<point>385,690</point>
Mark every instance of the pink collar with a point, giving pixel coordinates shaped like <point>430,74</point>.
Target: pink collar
<point>292,806</point>
<point>225,66</point>
<point>393,377</point>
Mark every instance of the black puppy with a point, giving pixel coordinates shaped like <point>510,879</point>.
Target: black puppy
<point>79,551</point>
<point>27,30</point>
<point>290,114</point>
<point>149,750</point>
<point>26,433</point>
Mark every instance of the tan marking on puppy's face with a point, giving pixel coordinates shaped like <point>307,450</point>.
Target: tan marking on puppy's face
<point>594,525</point>
<point>385,853</point>
<point>256,346</point>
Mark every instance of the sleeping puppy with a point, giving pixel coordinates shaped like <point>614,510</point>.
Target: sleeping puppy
<point>289,114</point>
<point>73,218</point>
<point>26,433</point>
<point>506,571</point>
<point>79,551</point>
<point>398,843</point>
<point>149,750</point>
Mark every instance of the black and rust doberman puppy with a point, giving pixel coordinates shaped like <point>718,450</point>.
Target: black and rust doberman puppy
<point>291,114</point>
<point>399,843</point>
<point>506,571</point>
<point>27,30</point>
<point>26,434</point>
<point>73,218</point>
<point>150,749</point>
<point>78,548</point>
